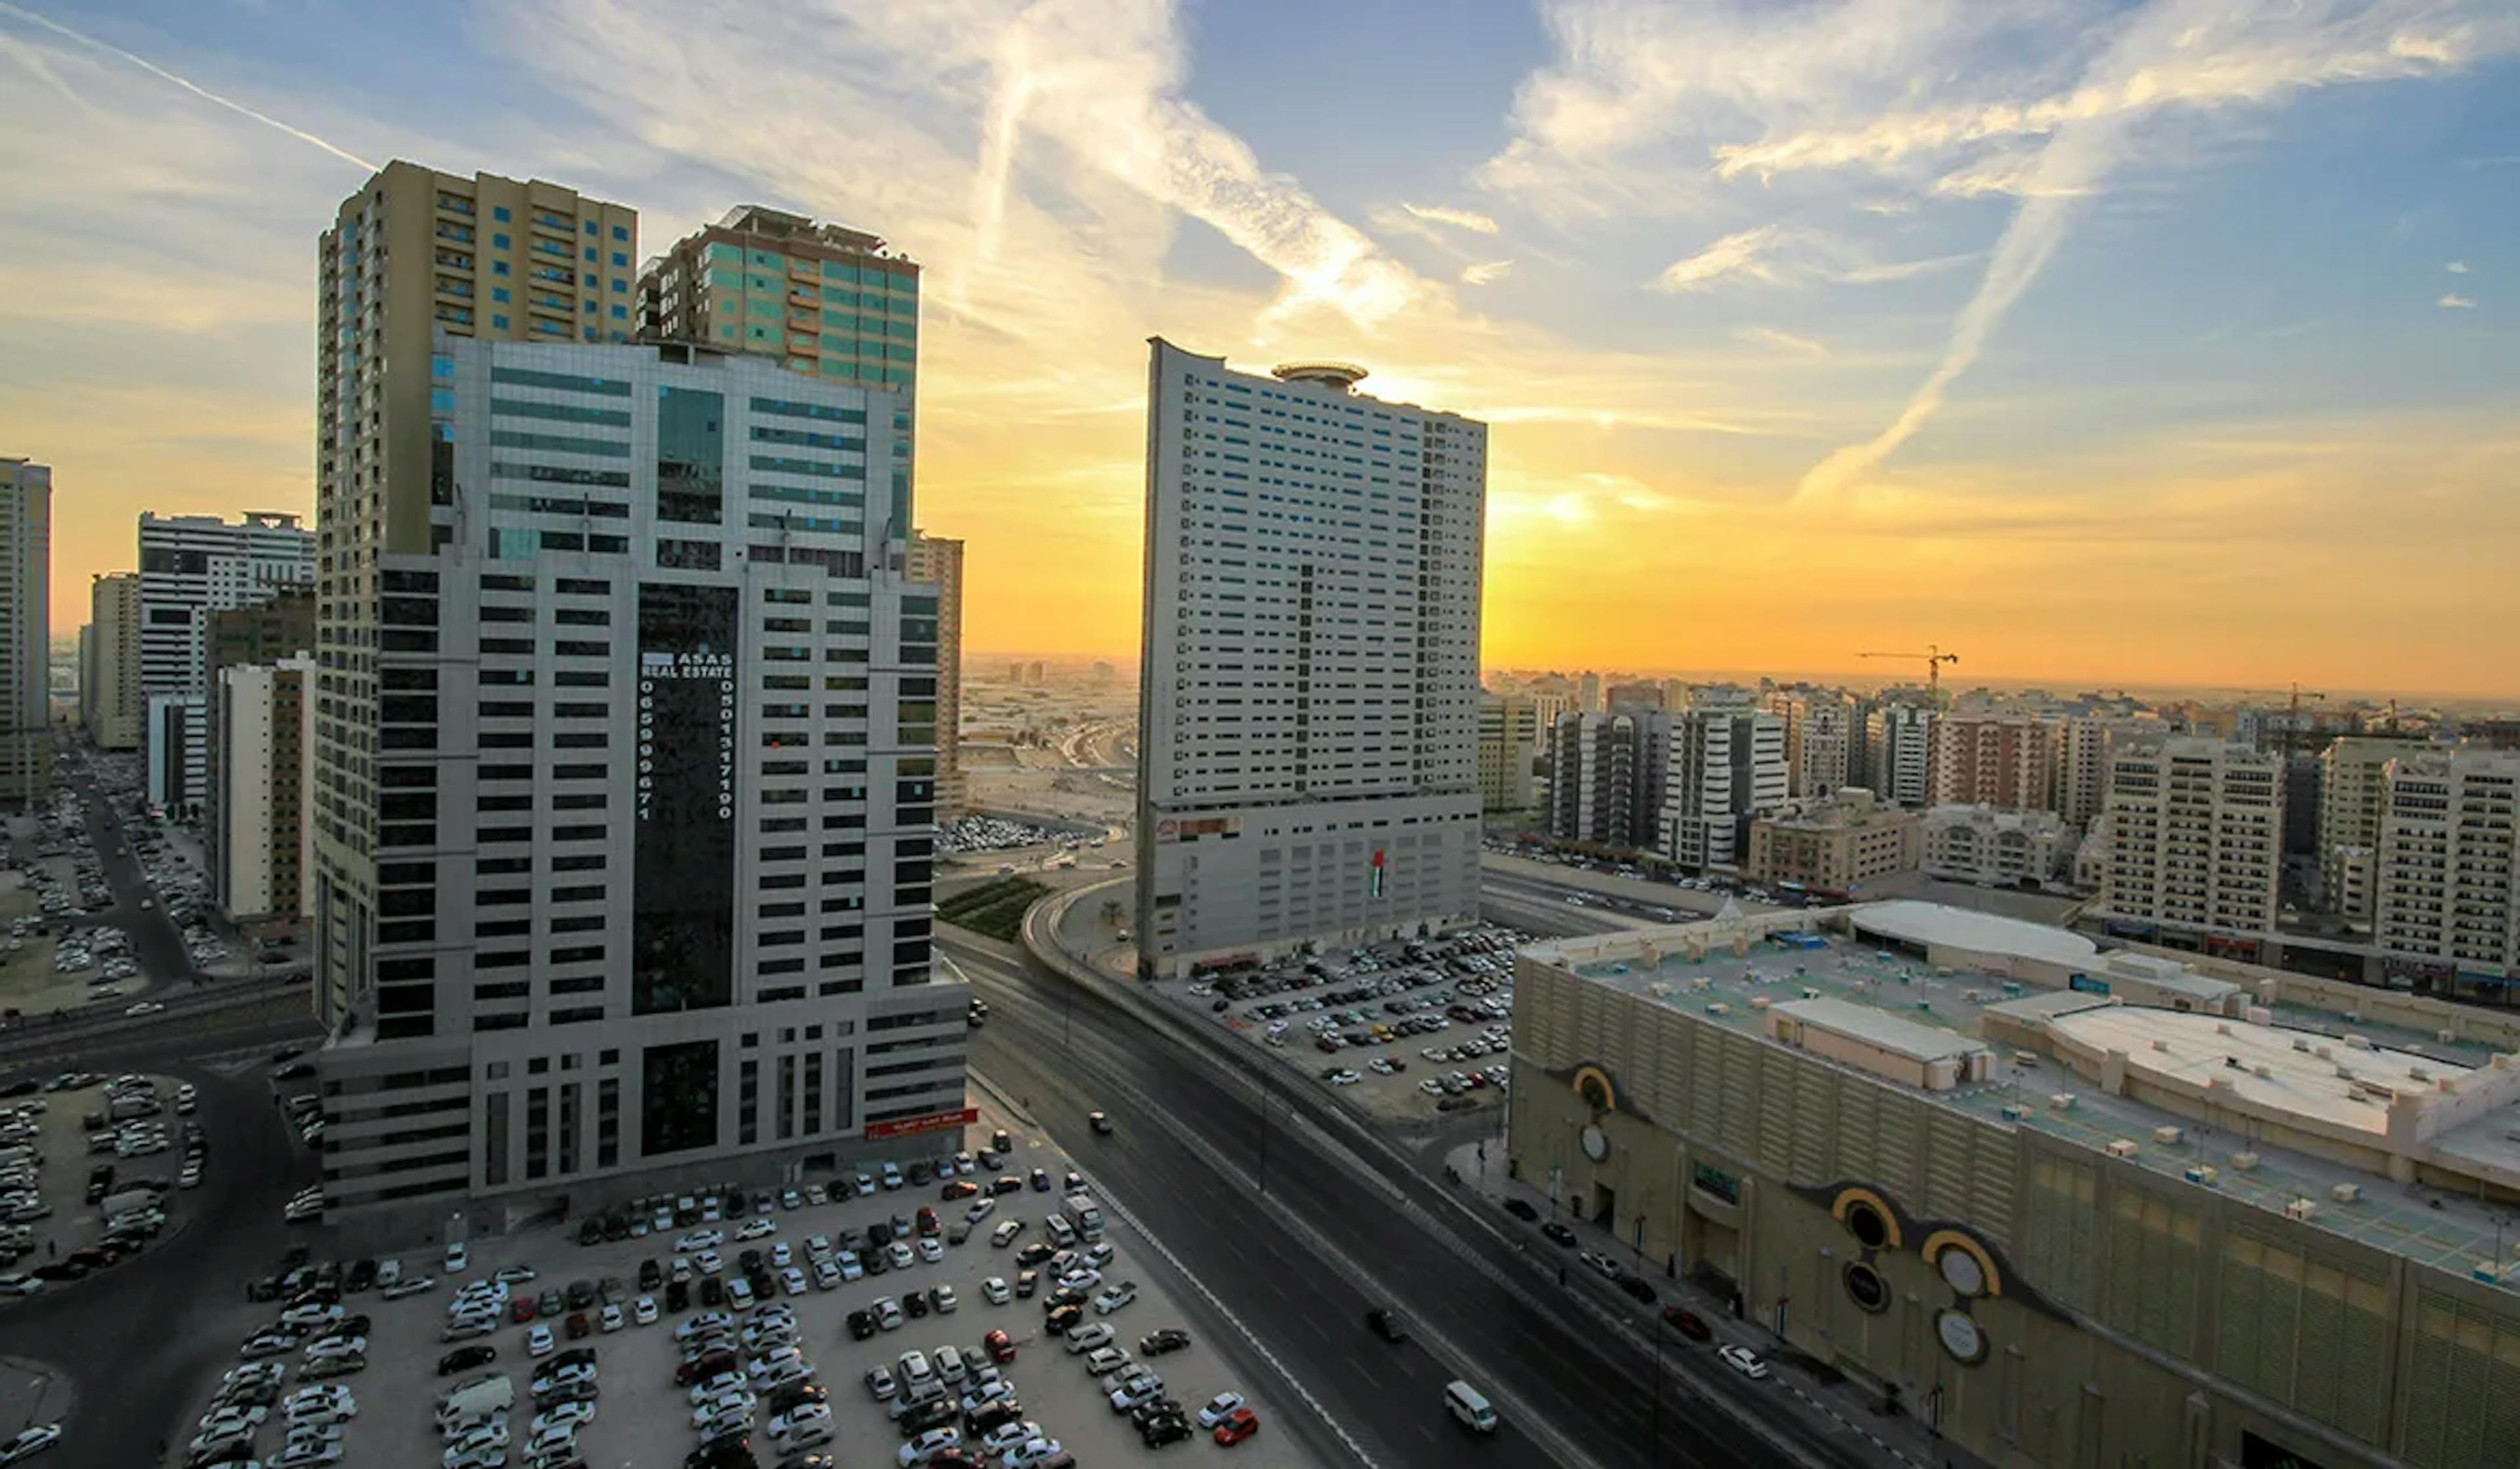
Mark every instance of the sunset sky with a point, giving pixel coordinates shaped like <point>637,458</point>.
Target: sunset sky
<point>2164,342</point>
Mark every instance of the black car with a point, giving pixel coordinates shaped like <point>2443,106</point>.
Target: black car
<point>797,1395</point>
<point>1036,1251</point>
<point>1385,1323</point>
<point>880,1233</point>
<point>921,1173</point>
<point>590,1231</point>
<point>992,1416</point>
<point>914,1303</point>
<point>712,1291</point>
<point>1028,1282</point>
<point>1556,1233</point>
<point>1635,1285</point>
<point>362,1276</point>
<point>933,1413</point>
<point>1041,1181</point>
<point>1063,1317</point>
<point>678,1295</point>
<point>651,1274</point>
<point>1006,1183</point>
<point>353,1324</point>
<point>1166,1429</point>
<point>1062,1296</point>
<point>725,1453</point>
<point>874,1262</point>
<point>1159,1343</point>
<point>1152,1408</point>
<point>1521,1209</point>
<point>749,1262</point>
<point>581,1294</point>
<point>332,1366</point>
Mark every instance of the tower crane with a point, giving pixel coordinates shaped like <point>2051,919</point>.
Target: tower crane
<point>1935,658</point>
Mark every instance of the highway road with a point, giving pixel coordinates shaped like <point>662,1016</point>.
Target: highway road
<point>1299,1236</point>
<point>157,945</point>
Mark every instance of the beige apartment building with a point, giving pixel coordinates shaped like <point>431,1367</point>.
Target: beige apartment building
<point>1843,844</point>
<point>2447,882</point>
<point>1821,739</point>
<point>109,700</point>
<point>262,850</point>
<point>2353,804</point>
<point>1510,740</point>
<point>2195,840</point>
<point>25,630</point>
<point>939,559</point>
<point>2081,769</point>
<point>2002,759</point>
<point>2012,1184</point>
<point>1995,848</point>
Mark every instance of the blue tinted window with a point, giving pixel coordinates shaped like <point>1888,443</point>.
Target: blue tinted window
<point>621,232</point>
<point>499,213</point>
<point>441,367</point>
<point>499,293</point>
<point>591,251</point>
<point>441,400</point>
<point>593,229</point>
<point>499,324</point>
<point>621,313</point>
<point>621,259</point>
<point>498,267</point>
<point>499,241</point>
<point>620,286</point>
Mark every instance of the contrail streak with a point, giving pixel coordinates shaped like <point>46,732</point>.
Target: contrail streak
<point>206,95</point>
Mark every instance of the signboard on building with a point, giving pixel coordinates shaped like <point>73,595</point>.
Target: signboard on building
<point>931,1122</point>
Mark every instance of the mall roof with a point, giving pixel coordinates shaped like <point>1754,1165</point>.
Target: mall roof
<point>1930,923</point>
<point>1879,1027</point>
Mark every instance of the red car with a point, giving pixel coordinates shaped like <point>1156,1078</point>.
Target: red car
<point>926,1221</point>
<point>1238,1425</point>
<point>522,1308</point>
<point>1002,1347</point>
<point>959,1188</point>
<point>1685,1322</point>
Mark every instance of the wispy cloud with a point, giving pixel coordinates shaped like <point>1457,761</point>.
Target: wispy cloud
<point>2456,267</point>
<point>1485,272</point>
<point>206,95</point>
<point>2455,302</point>
<point>1735,254</point>
<point>2192,53</point>
<point>1460,219</point>
<point>1786,340</point>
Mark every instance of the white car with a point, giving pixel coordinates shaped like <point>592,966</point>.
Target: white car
<point>930,1250</point>
<point>879,1381</point>
<point>943,1298</point>
<point>1116,1297</point>
<point>707,1322</point>
<point>143,1007</point>
<point>566,1415</point>
<point>699,1240</point>
<point>338,1346</point>
<point>900,1256</point>
<point>1034,1452</point>
<point>851,1268</point>
<point>1219,1408</point>
<point>1086,1338</point>
<point>644,1312</point>
<point>928,1444</point>
<point>781,1255</point>
<point>722,1384</point>
<point>513,1274</point>
<point>612,1320</point>
<point>981,1208</point>
<point>539,1342</point>
<point>994,1291</point>
<point>887,1313</point>
<point>456,1257</point>
<point>1743,1360</point>
<point>758,1229</point>
<point>732,1407</point>
<point>806,1423</point>
<point>1007,1438</point>
<point>792,1281</point>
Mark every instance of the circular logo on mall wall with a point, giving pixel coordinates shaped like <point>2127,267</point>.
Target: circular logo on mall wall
<point>1596,1143</point>
<point>1961,1336</point>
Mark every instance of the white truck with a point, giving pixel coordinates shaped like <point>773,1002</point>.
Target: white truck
<point>475,1402</point>
<point>1083,1217</point>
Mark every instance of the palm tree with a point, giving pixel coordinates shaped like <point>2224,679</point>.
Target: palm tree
<point>1111,912</point>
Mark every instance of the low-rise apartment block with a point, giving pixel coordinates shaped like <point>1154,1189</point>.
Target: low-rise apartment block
<point>1841,845</point>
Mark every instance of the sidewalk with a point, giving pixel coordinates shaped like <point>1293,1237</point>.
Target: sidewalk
<point>1480,1164</point>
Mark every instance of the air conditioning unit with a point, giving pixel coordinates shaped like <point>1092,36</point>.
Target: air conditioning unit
<point>2124,1148</point>
<point>2262,1073</point>
<point>2357,1043</point>
<point>2203,1173</point>
<point>2346,1193</point>
<point>2245,1162</point>
<point>2169,1137</point>
<point>2301,1211</point>
<point>2300,1044</point>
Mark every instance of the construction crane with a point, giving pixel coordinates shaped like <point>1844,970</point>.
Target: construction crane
<point>1935,658</point>
<point>2292,718</point>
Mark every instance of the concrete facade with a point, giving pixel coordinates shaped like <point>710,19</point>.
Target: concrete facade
<point>193,567</point>
<point>1998,848</point>
<point>2196,831</point>
<point>110,703</point>
<point>1606,776</point>
<point>1308,699</point>
<point>1842,845</point>
<point>823,300</point>
<point>1510,746</point>
<point>939,559</point>
<point>1898,753</point>
<point>1728,765</point>
<point>261,846</point>
<point>2041,1299</point>
<point>25,631</point>
<point>2446,874</point>
<point>2002,759</point>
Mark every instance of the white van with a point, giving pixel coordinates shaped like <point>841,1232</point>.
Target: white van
<point>1469,1407</point>
<point>475,1402</point>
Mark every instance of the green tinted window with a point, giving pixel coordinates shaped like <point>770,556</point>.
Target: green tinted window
<point>839,270</point>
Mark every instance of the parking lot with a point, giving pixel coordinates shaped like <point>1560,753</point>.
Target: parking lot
<point>104,1166</point>
<point>1409,1030</point>
<point>645,1418</point>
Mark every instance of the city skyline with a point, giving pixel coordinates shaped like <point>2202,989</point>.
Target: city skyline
<point>2118,385</point>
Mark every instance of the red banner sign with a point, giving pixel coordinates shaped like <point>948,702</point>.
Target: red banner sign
<point>933,1121</point>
